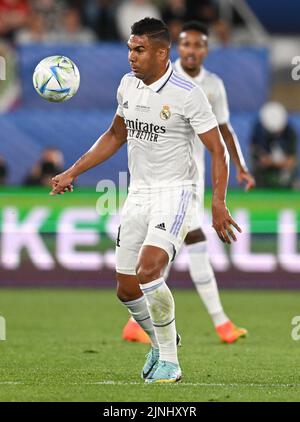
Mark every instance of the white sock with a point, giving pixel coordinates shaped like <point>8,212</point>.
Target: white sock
<point>161,308</point>
<point>139,311</point>
<point>167,271</point>
<point>203,277</point>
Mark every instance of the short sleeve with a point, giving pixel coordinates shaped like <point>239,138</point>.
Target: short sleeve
<point>120,94</point>
<point>198,111</point>
<point>220,104</point>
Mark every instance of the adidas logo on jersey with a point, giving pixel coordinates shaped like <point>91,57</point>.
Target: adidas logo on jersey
<point>161,226</point>
<point>125,105</point>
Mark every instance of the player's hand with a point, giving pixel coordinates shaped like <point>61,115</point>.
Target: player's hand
<point>61,183</point>
<point>244,176</point>
<point>223,222</point>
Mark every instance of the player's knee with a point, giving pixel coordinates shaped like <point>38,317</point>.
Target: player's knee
<point>127,287</point>
<point>151,264</point>
<point>125,295</point>
<point>148,271</point>
<point>194,236</point>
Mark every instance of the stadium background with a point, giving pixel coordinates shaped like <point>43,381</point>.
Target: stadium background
<point>32,225</point>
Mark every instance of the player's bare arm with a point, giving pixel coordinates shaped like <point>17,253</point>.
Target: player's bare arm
<point>106,146</point>
<point>222,220</point>
<point>235,152</point>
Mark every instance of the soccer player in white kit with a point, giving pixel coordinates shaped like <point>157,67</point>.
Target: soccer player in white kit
<point>158,113</point>
<point>193,48</point>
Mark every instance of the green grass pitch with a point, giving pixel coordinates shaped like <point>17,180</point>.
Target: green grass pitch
<point>65,345</point>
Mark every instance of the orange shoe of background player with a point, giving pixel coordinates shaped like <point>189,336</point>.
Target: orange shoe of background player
<point>229,333</point>
<point>133,332</point>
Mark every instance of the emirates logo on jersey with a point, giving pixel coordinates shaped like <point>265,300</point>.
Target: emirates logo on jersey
<point>165,114</point>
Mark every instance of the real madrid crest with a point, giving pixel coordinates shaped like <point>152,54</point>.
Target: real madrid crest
<point>165,114</point>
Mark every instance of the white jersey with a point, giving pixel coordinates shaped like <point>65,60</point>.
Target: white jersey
<point>161,121</point>
<point>214,89</point>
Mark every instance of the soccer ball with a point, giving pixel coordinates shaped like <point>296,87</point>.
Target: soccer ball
<point>56,78</point>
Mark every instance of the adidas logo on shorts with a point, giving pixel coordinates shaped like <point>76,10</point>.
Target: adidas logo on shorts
<point>161,226</point>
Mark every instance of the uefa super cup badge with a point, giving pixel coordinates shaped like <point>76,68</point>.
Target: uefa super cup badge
<point>165,114</point>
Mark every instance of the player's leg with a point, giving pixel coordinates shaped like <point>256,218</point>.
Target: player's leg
<point>169,223</point>
<point>151,264</point>
<point>130,294</point>
<point>133,332</point>
<point>204,279</point>
<point>131,234</point>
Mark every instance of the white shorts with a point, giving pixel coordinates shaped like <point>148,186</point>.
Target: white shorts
<point>198,209</point>
<point>160,219</point>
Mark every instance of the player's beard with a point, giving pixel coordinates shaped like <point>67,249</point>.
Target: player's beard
<point>192,66</point>
<point>194,69</point>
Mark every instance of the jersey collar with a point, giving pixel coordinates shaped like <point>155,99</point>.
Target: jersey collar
<point>199,78</point>
<point>160,83</point>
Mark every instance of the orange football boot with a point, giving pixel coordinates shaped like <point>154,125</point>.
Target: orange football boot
<point>133,332</point>
<point>229,333</point>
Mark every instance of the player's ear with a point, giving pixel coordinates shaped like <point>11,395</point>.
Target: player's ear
<point>163,53</point>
